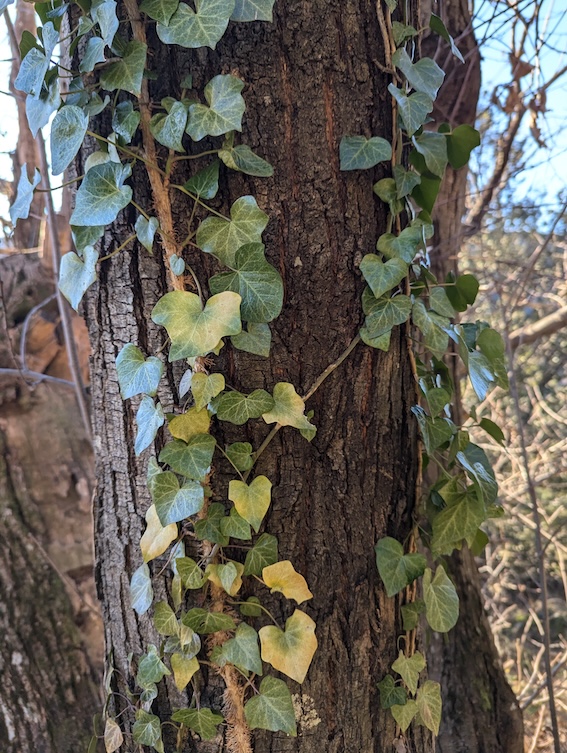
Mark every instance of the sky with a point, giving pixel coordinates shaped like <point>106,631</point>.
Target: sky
<point>545,175</point>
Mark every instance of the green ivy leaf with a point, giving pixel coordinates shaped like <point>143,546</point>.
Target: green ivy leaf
<point>263,553</point>
<point>397,569</point>
<point>85,236</point>
<point>437,398</point>
<point>390,693</point>
<point>169,129</point>
<point>402,32</point>
<point>434,431</point>
<point>440,303</point>
<point>238,408</point>
<point>39,110</point>
<point>480,374</point>
<point>151,669</point>
<point>141,591</point>
<point>424,76</point>
<point>256,340</point>
<point>242,650</point>
<point>208,529</point>
<point>405,246</point>
<point>429,704</point>
<point>409,668</point>
<point>173,503</point>
<point>136,374</point>
<point>127,73</point>
<point>191,459</point>
<point>20,209</point>
<point>252,10</point>
<point>176,264</point>
<point>94,53</point>
<point>460,143</point>
<point>32,72</point>
<point>104,14</point>
<point>272,709</point>
<point>204,387</point>
<point>146,231</point>
<point>202,27</point>
<point>406,181</point>
<point>195,331</point>
<point>404,714</point>
<point>386,314</point>
<point>493,349</point>
<point>202,721</point>
<point>257,282</point>
<point>435,337</point>
<point>235,527</point>
<point>101,195</point>
<point>433,148</point>
<point>413,109</point>
<point>360,153</point>
<point>441,600</point>
<point>149,419</point>
<point>251,501</point>
<point>461,290</point>
<point>289,408</point>
<point>436,25</point>
<point>190,573</point>
<point>205,183</point>
<point>125,120</point>
<point>240,455</point>
<point>77,275</point>
<point>493,430</point>
<point>204,622</point>
<point>147,730</point>
<point>223,238</point>
<point>411,612</point>
<point>225,110</point>
<point>251,607</point>
<point>243,159</point>
<point>477,465</point>
<point>382,277</point>
<point>160,10</point>
<point>455,523</point>
<point>165,620</point>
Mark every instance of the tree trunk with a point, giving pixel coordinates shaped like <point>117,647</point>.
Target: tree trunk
<point>310,78</point>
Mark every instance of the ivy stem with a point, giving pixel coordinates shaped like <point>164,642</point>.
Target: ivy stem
<point>120,247</point>
<point>140,210</point>
<point>198,201</point>
<point>329,370</point>
<point>195,156</point>
<point>230,461</point>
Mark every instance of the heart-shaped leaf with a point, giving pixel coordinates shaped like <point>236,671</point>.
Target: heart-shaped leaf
<point>227,576</point>
<point>145,231</point>
<point>149,419</point>
<point>289,408</point>
<point>113,737</point>
<point>429,703</point>
<point>223,238</point>
<point>32,72</point>
<point>425,75</point>
<point>125,120</point>
<point>141,591</point>
<point>263,553</point>
<point>104,14</point>
<point>183,670</point>
<point>202,27</point>
<point>205,183</point>
<point>272,708</point>
<point>147,730</point>
<point>204,387</point>
<point>252,10</point>
<point>160,10</point>
<point>169,129</point>
<point>282,577</point>
<point>256,339</point>
<point>390,693</point>
<point>77,275</point>
<point>251,501</point>
<point>385,314</point>
<point>202,721</point>
<point>234,526</point>
<point>414,108</point>
<point>204,622</point>
<point>404,714</point>
<point>127,73</point>
<point>40,110</point>
<point>291,650</point>
<point>240,455</point>
<point>137,374</point>
<point>238,408</point>
<point>243,159</point>
<point>173,503</point>
<point>189,424</point>
<point>191,459</point>
<point>441,600</point>
<point>190,573</point>
<point>382,277</point>
<point>242,650</point>
<point>20,209</point>
<point>360,153</point>
<point>397,569</point>
<point>409,667</point>
<point>404,246</point>
<point>156,538</point>
<point>433,148</point>
<point>225,110</point>
<point>101,195</point>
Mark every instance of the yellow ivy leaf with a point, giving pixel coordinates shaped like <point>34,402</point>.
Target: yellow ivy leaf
<point>252,501</point>
<point>290,651</point>
<point>284,578</point>
<point>190,424</point>
<point>156,538</point>
<point>289,408</point>
<point>228,577</point>
<point>113,737</point>
<point>183,669</point>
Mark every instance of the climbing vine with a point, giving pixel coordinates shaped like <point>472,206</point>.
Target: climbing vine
<point>237,304</point>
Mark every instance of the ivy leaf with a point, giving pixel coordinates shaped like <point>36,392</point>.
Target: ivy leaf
<point>411,612</point>
<point>5,4</point>
<point>147,730</point>
<point>94,53</point>
<point>160,10</point>
<point>227,576</point>
<point>429,703</point>
<point>382,277</point>
<point>149,419</point>
<point>203,28</point>
<point>235,526</point>
<point>104,14</point>
<point>251,607</point>
<point>223,238</point>
<point>145,231</point>
<point>435,337</point>
<point>77,275</point>
<point>252,10</point>
<point>424,76</point>
<point>404,714</point>
<point>480,374</point>
<point>436,25</point>
<point>39,110</point>
<point>101,195</point>
<point>291,650</point>
<point>113,737</point>
<point>225,110</point>
<point>405,246</point>
<point>402,32</point>
<point>272,709</point>
<point>242,650</point>
<point>282,577</point>
<point>32,72</point>
<point>204,622</point>
<point>238,408</point>
<point>204,387</point>
<point>173,503</point>
<point>289,408</point>
<point>263,553</point>
<point>433,148</point>
<point>125,120</point>
<point>434,431</point>
<point>169,129</point>
<point>85,236</point>
<point>141,591</point>
<point>461,291</point>
<point>205,183</point>
<point>386,314</point>
<point>127,73</point>
<point>189,424</point>
<point>456,522</point>
<point>256,340</point>
<point>190,573</point>
<point>137,374</point>
<point>413,109</point>
<point>474,460</point>
<point>460,143</point>
<point>251,501</point>
<point>243,159</point>
<point>440,303</point>
<point>397,569</point>
<point>202,721</point>
<point>406,181</point>
<point>493,430</point>
<point>20,209</point>
<point>156,538</point>
<point>192,459</point>
<point>151,669</point>
<point>183,670</point>
<point>240,455</point>
<point>360,153</point>
<point>209,528</point>
<point>195,331</point>
<point>441,600</point>
<point>409,668</point>
<point>391,694</point>
<point>259,284</point>
<point>492,347</point>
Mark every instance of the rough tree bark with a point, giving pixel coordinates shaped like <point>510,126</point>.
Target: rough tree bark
<point>311,78</point>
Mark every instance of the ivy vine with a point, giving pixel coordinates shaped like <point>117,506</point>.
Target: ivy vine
<point>237,304</point>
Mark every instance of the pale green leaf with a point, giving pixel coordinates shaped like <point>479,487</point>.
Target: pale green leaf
<point>169,129</point>
<point>149,419</point>
<point>441,600</point>
<point>243,159</point>
<point>202,721</point>
<point>160,10</point>
<point>125,120</point>
<point>190,573</point>
<point>360,153</point>
<point>434,431</point>
<point>32,72</point>
<point>39,110</point>
<point>137,374</point>
<point>440,303</point>
<point>252,10</point>
<point>409,668</point>
<point>404,246</point>
<point>437,25</point>
<point>289,408</point>
<point>272,709</point>
<point>406,181</point>
<point>411,613</point>
<point>205,183</point>
<point>386,314</point>
<point>225,110</point>
<point>433,148</point>
<point>104,14</point>
<point>173,503</point>
<point>192,459</point>
<point>194,330</point>
<point>204,622</point>
<point>382,277</point>
<point>147,730</point>
<point>455,523</point>
<point>20,209</point>
<point>397,569</point>
<point>429,704</point>
<point>256,339</point>
<point>251,501</point>
<point>242,650</point>
<point>165,620</point>
<point>238,408</point>
<point>86,236</point>
<point>101,195</point>
<point>424,76</point>
<point>151,669</point>
<point>77,275</point>
<point>404,714</point>
<point>204,387</point>
<point>127,73</point>
<point>493,349</point>
<point>436,339</point>
<point>202,27</point>
<point>263,553</point>
<point>94,53</point>
<point>235,527</point>
<point>145,231</point>
<point>141,591</point>
<point>223,238</point>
